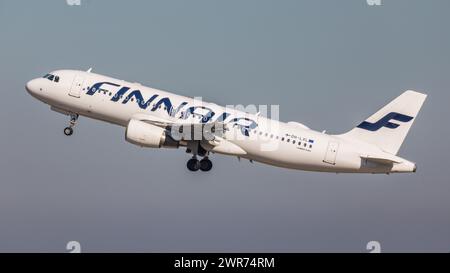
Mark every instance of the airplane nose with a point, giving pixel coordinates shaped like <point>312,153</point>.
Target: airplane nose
<point>31,86</point>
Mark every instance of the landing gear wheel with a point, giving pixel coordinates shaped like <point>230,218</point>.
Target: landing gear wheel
<point>68,131</point>
<point>206,165</point>
<point>193,165</point>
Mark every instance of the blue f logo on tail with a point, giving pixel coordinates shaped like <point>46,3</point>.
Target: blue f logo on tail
<point>385,122</point>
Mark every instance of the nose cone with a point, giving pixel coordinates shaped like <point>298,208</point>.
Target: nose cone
<point>33,87</point>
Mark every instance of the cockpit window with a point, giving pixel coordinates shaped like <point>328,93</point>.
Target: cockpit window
<point>52,77</point>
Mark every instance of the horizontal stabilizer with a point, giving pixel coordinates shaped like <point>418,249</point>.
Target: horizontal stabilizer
<point>382,159</point>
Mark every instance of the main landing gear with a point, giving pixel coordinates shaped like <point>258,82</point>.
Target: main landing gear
<point>204,165</point>
<point>68,131</point>
<point>194,164</point>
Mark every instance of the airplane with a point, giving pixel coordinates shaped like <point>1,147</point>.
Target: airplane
<point>158,119</point>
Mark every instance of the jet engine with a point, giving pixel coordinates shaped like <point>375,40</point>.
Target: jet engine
<point>143,134</point>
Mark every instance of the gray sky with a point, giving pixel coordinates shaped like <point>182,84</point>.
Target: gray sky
<point>328,64</point>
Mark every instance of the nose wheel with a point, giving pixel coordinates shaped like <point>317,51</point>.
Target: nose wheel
<point>68,131</point>
<point>204,165</point>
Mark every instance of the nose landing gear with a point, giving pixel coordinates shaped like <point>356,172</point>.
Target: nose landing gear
<point>68,131</point>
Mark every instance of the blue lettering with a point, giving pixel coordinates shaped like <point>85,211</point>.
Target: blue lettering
<point>137,94</point>
<point>97,86</point>
<point>205,118</point>
<point>244,128</point>
<point>120,93</point>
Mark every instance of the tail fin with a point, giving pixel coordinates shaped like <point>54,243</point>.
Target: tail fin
<point>388,127</point>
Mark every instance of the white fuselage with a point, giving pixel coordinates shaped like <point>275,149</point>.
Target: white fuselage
<point>288,145</point>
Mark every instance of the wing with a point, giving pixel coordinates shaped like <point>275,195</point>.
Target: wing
<point>211,135</point>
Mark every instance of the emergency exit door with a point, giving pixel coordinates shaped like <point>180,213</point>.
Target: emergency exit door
<point>77,86</point>
<point>332,150</point>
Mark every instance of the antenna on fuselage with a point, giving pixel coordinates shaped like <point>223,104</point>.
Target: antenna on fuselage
<point>89,70</point>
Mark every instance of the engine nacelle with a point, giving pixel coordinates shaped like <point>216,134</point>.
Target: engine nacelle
<point>146,135</point>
